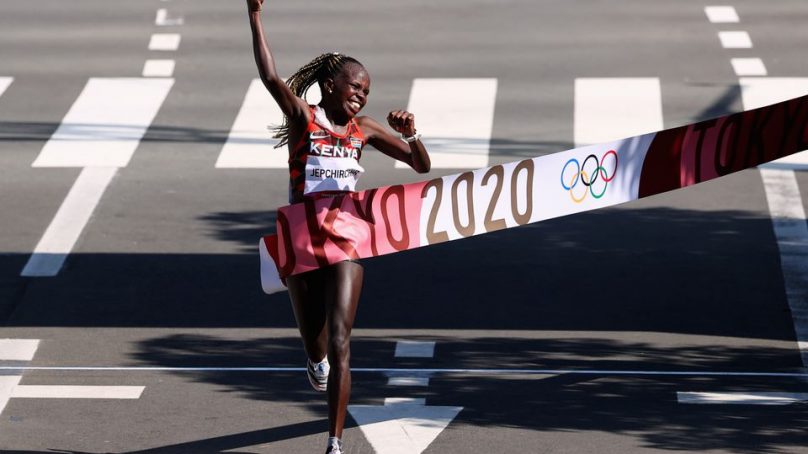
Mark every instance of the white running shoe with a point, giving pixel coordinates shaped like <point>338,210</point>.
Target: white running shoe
<point>335,448</point>
<point>318,374</point>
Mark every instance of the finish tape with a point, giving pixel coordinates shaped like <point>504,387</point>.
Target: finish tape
<point>390,219</point>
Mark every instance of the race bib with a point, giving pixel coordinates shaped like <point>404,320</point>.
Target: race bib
<point>331,174</point>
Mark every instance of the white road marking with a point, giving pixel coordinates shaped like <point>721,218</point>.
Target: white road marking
<point>748,67</point>
<point>402,426</point>
<point>411,371</point>
<point>106,123</point>
<point>7,385</point>
<point>791,229</point>
<point>158,68</point>
<point>408,381</point>
<point>18,349</point>
<point>165,41</point>
<point>721,14</point>
<point>76,392</point>
<point>456,120</point>
<point>415,349</point>
<point>162,19</point>
<point>785,203</point>
<point>761,398</point>
<point>250,143</point>
<point>612,108</point>
<point>735,40</point>
<point>66,227</point>
<point>4,84</point>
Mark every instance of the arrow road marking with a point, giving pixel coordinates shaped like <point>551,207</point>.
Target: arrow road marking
<point>402,426</point>
<point>162,19</point>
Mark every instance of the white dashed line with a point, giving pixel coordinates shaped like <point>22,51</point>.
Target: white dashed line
<point>456,120</point>
<point>164,41</point>
<point>162,19</point>
<point>748,67</point>
<point>76,392</point>
<point>722,398</point>
<point>735,40</point>
<point>721,14</point>
<point>18,349</point>
<point>63,232</point>
<point>158,68</point>
<point>612,108</point>
<point>415,349</point>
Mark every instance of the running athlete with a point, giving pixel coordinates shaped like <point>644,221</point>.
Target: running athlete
<point>325,144</point>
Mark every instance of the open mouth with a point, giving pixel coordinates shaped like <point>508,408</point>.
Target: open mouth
<point>355,106</point>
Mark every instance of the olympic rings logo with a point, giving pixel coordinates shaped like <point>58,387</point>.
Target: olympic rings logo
<point>589,174</point>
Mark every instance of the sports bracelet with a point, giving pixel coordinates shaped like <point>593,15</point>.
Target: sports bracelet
<point>411,138</point>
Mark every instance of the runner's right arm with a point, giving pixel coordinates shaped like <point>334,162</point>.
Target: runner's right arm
<point>292,106</point>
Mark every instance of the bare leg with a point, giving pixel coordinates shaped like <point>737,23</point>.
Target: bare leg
<point>344,285</point>
<point>307,292</point>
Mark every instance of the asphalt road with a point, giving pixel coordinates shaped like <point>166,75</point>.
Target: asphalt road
<point>164,275</point>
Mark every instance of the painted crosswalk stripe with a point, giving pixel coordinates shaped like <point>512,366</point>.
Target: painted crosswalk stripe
<point>785,203</point>
<point>66,227</point>
<point>613,108</point>
<point>735,39</point>
<point>18,349</point>
<point>165,41</point>
<point>250,144</point>
<point>721,14</point>
<point>738,398</point>
<point>106,123</point>
<point>748,67</point>
<point>415,349</point>
<point>4,84</point>
<point>76,392</point>
<point>158,68</point>
<point>7,385</point>
<point>456,120</point>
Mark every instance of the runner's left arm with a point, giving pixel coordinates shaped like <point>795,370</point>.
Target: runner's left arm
<point>413,153</point>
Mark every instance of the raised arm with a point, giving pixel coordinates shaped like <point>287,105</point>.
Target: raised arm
<point>412,152</point>
<point>292,106</point>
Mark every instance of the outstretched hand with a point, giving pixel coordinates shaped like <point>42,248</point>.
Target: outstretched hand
<point>402,122</point>
<point>255,5</point>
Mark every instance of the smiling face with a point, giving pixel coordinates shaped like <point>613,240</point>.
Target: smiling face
<point>347,93</point>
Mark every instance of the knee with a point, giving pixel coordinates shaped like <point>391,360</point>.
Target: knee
<point>339,346</point>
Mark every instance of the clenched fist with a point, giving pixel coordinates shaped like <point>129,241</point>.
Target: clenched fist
<point>402,121</point>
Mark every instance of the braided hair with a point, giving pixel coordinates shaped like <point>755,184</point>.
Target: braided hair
<point>325,66</point>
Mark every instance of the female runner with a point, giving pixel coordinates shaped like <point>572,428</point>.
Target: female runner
<point>325,143</point>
